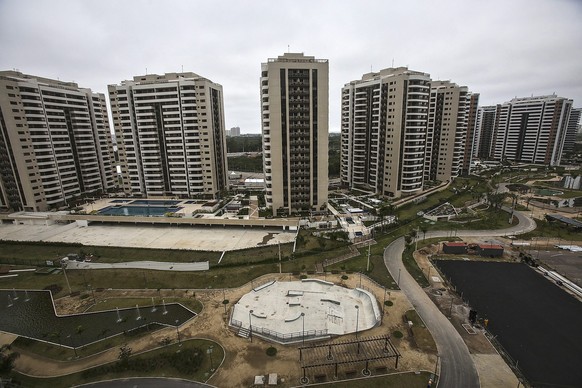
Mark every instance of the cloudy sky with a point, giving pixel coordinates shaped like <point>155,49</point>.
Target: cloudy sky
<point>500,49</point>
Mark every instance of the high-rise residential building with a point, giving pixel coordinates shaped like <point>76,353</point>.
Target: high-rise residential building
<point>234,131</point>
<point>55,143</point>
<point>383,129</point>
<point>572,129</point>
<point>451,119</point>
<point>171,135</point>
<point>532,130</point>
<point>487,117</point>
<point>471,124</point>
<point>295,120</point>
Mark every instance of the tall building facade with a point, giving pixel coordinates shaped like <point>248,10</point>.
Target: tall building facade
<point>55,143</point>
<point>234,131</point>
<point>487,118</point>
<point>532,130</point>
<point>171,135</point>
<point>383,129</point>
<point>572,130</point>
<point>295,120</point>
<point>451,120</point>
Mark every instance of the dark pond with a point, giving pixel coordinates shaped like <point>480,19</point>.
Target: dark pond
<point>31,314</point>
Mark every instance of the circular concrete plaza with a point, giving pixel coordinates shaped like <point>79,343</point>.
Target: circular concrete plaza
<point>287,312</point>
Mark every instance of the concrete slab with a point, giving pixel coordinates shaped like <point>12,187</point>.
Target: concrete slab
<point>151,236</point>
<point>328,309</point>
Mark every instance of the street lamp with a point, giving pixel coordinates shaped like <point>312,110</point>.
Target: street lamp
<point>303,332</point>
<point>357,319</point>
<point>74,347</point>
<point>178,332</point>
<point>209,351</point>
<point>251,325</point>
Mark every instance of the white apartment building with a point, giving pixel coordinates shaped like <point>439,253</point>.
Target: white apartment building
<point>171,135</point>
<point>384,128</point>
<point>451,120</point>
<point>532,130</point>
<point>295,120</point>
<point>55,143</point>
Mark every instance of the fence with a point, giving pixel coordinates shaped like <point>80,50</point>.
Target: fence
<point>280,337</point>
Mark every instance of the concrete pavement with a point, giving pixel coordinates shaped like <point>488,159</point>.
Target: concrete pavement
<point>457,366</point>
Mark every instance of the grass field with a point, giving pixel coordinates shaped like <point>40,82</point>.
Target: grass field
<point>149,364</point>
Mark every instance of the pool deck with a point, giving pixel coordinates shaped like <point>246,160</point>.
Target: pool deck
<point>205,232</point>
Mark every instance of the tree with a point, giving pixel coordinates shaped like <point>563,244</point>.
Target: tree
<point>385,211</point>
<point>7,358</point>
<point>124,354</point>
<point>423,229</point>
<point>79,330</point>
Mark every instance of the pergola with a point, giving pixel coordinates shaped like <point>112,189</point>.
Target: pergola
<point>359,351</point>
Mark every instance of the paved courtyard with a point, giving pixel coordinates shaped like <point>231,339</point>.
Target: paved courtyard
<point>185,237</point>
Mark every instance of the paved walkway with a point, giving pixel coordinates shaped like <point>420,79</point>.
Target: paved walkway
<point>457,366</point>
<point>154,265</point>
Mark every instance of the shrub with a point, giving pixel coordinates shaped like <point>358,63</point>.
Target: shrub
<point>344,277</point>
<point>271,352</point>
<point>388,303</point>
<point>397,334</point>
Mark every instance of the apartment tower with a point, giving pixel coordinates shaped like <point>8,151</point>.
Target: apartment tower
<point>572,129</point>
<point>532,130</point>
<point>451,120</point>
<point>487,117</point>
<point>294,107</point>
<point>171,135</point>
<point>383,131</point>
<point>55,143</point>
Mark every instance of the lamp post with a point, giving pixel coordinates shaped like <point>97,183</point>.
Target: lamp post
<point>74,347</point>
<point>178,332</point>
<point>303,331</point>
<point>209,351</point>
<point>357,319</point>
<point>251,325</point>
<point>64,266</point>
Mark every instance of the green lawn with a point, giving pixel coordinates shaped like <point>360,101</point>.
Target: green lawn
<point>422,337</point>
<point>189,361</point>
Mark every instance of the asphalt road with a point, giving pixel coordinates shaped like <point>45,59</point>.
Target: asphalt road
<point>457,368</point>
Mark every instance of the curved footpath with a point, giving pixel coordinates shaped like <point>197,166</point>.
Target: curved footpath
<point>457,366</point>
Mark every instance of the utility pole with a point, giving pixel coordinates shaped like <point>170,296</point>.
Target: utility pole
<point>368,265</point>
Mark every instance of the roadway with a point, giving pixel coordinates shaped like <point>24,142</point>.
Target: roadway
<point>457,368</point>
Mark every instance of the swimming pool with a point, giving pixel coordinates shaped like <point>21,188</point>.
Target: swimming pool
<point>133,210</point>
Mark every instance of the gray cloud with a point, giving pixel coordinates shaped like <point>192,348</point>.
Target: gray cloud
<point>500,49</point>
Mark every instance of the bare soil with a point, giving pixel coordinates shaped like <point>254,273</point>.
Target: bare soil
<point>243,359</point>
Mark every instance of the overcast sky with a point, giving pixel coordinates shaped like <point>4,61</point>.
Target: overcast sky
<point>500,49</point>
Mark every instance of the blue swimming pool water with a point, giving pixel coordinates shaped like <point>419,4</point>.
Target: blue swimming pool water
<point>155,202</point>
<point>153,211</point>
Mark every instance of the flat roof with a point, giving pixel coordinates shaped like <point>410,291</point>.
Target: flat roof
<point>490,246</point>
<point>455,244</point>
<point>566,220</point>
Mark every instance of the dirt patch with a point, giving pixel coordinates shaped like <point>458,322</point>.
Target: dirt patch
<point>243,359</point>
